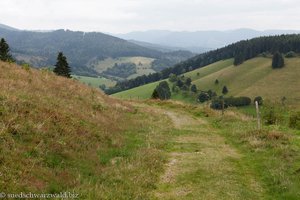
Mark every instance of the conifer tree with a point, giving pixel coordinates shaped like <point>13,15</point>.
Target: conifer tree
<point>4,51</point>
<point>278,61</point>
<point>62,67</point>
<point>225,90</point>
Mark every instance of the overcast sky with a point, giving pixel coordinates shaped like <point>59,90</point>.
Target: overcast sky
<point>120,16</point>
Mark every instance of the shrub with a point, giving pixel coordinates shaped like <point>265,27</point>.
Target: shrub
<point>231,101</point>
<point>203,96</point>
<point>271,114</point>
<point>237,101</point>
<point>295,120</point>
<point>217,104</point>
<point>290,54</point>
<point>162,91</point>
<point>26,67</point>
<point>259,99</point>
<point>211,94</point>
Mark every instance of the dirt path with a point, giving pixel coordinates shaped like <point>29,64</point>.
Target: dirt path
<point>202,166</point>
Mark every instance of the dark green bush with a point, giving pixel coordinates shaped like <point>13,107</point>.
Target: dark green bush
<point>237,101</point>
<point>162,91</point>
<point>203,96</point>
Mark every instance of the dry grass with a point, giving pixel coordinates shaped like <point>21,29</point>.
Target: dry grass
<point>280,83</point>
<point>60,135</point>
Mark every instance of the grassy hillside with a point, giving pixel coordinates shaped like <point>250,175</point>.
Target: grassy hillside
<point>145,91</point>
<point>253,78</point>
<point>60,135</point>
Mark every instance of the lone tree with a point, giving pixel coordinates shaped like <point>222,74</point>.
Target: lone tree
<point>162,91</point>
<point>225,90</point>
<point>4,51</point>
<point>278,61</point>
<point>62,67</point>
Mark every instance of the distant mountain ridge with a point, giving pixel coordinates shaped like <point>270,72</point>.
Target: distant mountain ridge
<point>40,48</point>
<point>193,41</point>
<point>3,26</point>
<point>84,50</point>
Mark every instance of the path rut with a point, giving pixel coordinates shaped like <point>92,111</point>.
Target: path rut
<point>203,166</point>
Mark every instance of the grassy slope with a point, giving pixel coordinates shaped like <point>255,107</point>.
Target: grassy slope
<point>95,82</point>
<point>145,91</point>
<point>253,78</point>
<point>279,83</point>
<point>236,78</point>
<point>57,135</point>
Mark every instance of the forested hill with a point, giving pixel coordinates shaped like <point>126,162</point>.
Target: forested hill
<point>240,51</point>
<point>40,48</point>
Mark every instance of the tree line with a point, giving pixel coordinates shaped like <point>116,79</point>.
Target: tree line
<point>240,51</point>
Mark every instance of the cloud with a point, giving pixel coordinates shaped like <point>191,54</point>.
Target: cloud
<point>129,15</point>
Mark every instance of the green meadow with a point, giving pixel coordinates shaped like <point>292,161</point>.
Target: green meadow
<point>253,78</point>
<point>95,82</point>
